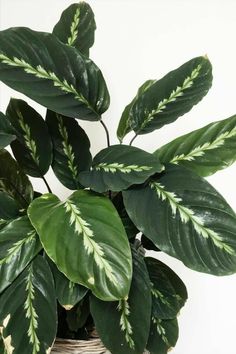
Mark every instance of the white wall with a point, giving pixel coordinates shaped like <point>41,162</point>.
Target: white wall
<point>140,40</point>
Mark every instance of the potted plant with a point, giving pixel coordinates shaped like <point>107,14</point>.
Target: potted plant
<point>76,268</point>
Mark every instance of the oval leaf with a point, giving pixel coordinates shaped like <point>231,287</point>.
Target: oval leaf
<point>7,134</point>
<point>18,246</point>
<point>76,27</point>
<point>13,181</point>
<point>172,96</point>
<point>124,326</point>
<point>33,147</point>
<point>68,293</point>
<point>206,150</point>
<point>168,291</point>
<point>29,304</point>
<point>118,167</point>
<point>36,62</point>
<point>188,219</point>
<point>85,237</point>
<point>71,145</point>
<point>9,208</point>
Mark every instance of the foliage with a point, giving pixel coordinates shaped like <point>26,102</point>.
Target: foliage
<point>67,266</point>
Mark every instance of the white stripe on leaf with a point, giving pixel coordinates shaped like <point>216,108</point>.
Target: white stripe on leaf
<point>187,215</point>
<point>31,313</point>
<point>120,167</point>
<point>200,150</point>
<point>178,92</point>
<point>82,227</point>
<point>123,307</point>
<point>74,28</point>
<point>160,330</point>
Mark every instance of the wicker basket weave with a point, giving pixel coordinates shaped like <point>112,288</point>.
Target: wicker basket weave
<point>67,346</point>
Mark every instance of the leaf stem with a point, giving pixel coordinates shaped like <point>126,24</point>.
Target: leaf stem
<point>48,187</point>
<point>107,132</point>
<point>132,140</point>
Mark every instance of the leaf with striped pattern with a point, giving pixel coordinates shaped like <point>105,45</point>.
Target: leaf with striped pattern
<point>85,238</point>
<point>32,148</point>
<point>187,218</point>
<point>118,167</point>
<point>205,150</point>
<point>53,74</point>
<point>172,96</point>
<point>76,27</point>
<point>71,149</point>
<point>29,304</point>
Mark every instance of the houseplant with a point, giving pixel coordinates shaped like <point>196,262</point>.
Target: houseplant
<point>69,266</point>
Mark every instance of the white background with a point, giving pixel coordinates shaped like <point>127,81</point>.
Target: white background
<point>140,40</point>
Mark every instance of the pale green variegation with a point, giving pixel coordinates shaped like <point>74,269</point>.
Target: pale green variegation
<point>125,325</point>
<point>74,28</point>
<point>120,167</point>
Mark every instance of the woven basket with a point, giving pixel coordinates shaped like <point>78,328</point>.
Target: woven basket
<point>67,346</point>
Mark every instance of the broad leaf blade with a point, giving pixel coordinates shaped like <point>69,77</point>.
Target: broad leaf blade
<point>206,150</point>
<point>71,145</point>
<point>13,181</point>
<point>28,311</point>
<point>76,27</point>
<point>118,167</point>
<point>172,96</point>
<point>18,246</point>
<point>163,335</point>
<point>7,134</point>
<point>9,208</point>
<point>68,293</point>
<point>188,219</point>
<point>124,125</point>
<point>168,291</point>
<point>33,147</point>
<point>124,326</point>
<point>85,237</point>
<point>52,74</point>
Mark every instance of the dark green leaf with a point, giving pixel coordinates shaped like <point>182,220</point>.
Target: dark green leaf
<point>124,124</point>
<point>206,150</point>
<point>169,98</point>
<point>33,147</point>
<point>124,326</point>
<point>13,181</point>
<point>9,208</point>
<point>76,27</point>
<point>85,237</point>
<point>168,291</point>
<point>52,73</point>
<point>28,311</point>
<point>148,244</point>
<point>187,218</point>
<point>68,293</point>
<point>163,336</point>
<point>7,134</point>
<point>18,246</point>
<point>2,346</point>
<point>118,167</point>
<point>71,146</point>
<point>78,315</point>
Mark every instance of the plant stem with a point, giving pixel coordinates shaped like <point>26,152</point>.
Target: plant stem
<point>107,133</point>
<point>48,187</point>
<point>132,140</point>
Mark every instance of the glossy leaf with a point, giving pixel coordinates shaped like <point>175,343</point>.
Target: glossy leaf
<point>206,150</point>
<point>163,336</point>
<point>124,125</point>
<point>124,326</point>
<point>168,291</point>
<point>71,153</point>
<point>52,73</point>
<point>85,237</point>
<point>7,134</point>
<point>172,96</point>
<point>68,293</point>
<point>33,147</point>
<point>13,181</point>
<point>187,218</point>
<point>18,246</point>
<point>29,304</point>
<point>118,167</point>
<point>9,208</point>
<point>76,27</point>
